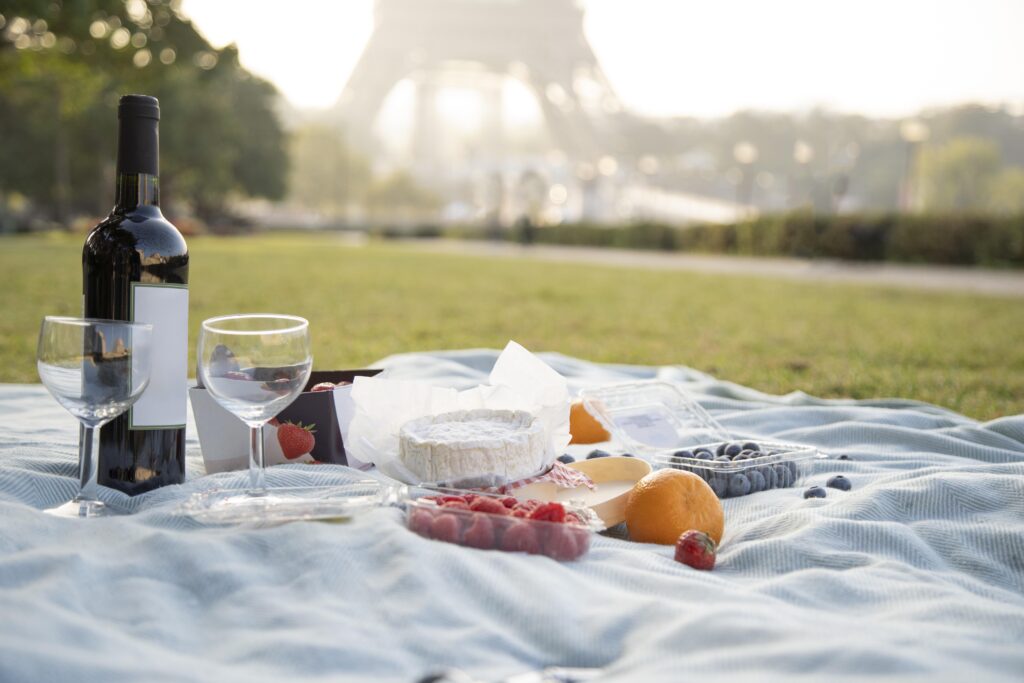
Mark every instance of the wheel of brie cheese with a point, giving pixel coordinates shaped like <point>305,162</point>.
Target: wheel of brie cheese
<point>470,443</point>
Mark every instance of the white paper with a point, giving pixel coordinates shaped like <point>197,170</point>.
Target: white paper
<point>519,381</point>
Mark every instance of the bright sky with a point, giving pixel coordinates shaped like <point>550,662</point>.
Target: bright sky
<point>683,57</point>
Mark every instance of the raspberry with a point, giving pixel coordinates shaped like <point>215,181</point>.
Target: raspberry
<point>549,512</point>
<point>480,533</point>
<point>509,502</point>
<point>449,499</point>
<point>455,505</point>
<point>490,505</point>
<point>520,513</point>
<point>521,538</point>
<point>420,522</point>
<point>445,527</point>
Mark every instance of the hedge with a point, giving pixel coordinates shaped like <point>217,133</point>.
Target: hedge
<point>941,239</point>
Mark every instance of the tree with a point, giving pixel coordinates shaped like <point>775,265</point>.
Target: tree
<point>62,69</point>
<point>957,175</point>
<point>326,175</point>
<point>1007,191</point>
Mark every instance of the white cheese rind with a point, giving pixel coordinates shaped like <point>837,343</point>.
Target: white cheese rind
<point>469,443</point>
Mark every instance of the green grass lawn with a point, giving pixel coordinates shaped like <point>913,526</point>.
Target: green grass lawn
<point>960,351</point>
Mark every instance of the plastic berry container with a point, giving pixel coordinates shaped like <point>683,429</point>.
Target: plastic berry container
<point>661,423</point>
<point>497,522</point>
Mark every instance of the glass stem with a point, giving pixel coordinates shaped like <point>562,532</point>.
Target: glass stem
<point>257,480</point>
<point>88,464</point>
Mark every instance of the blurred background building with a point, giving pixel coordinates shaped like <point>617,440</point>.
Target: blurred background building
<point>482,113</point>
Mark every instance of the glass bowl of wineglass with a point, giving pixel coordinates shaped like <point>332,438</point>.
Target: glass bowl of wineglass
<point>96,369</point>
<point>256,365</point>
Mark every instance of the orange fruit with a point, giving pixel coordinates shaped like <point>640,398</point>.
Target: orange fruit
<point>584,427</point>
<point>668,502</point>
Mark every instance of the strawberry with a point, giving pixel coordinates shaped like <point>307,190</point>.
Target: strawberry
<point>494,507</point>
<point>696,549</point>
<point>522,538</point>
<point>420,522</point>
<point>549,512</point>
<point>295,439</point>
<point>480,533</point>
<point>445,528</point>
<point>323,386</point>
<point>560,543</point>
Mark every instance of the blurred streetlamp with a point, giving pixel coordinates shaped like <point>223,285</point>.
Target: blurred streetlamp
<point>745,154</point>
<point>914,132</point>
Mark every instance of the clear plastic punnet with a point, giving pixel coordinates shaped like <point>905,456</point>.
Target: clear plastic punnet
<point>498,522</point>
<point>659,422</point>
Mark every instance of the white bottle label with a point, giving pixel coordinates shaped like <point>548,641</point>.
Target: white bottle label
<point>165,307</point>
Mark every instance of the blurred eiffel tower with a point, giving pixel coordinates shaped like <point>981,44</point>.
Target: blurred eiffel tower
<point>540,42</point>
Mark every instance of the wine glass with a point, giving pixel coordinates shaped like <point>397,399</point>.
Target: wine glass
<point>255,366</point>
<point>96,369</point>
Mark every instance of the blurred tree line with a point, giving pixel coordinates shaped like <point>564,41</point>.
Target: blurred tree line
<point>63,66</point>
<point>968,157</point>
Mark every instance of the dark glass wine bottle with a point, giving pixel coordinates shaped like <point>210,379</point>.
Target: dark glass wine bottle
<point>135,267</point>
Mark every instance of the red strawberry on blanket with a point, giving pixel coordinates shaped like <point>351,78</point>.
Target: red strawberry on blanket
<point>323,386</point>
<point>696,549</point>
<point>295,439</point>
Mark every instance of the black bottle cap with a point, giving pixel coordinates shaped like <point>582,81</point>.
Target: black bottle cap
<point>138,142</point>
<point>138,106</point>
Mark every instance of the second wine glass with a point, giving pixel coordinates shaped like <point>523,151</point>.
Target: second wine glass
<point>255,366</point>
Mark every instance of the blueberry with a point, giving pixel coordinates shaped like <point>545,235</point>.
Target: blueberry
<point>751,446</point>
<point>683,454</point>
<point>703,455</point>
<point>733,449</point>
<point>768,473</point>
<point>566,458</point>
<point>721,449</point>
<point>783,477</point>
<point>723,458</point>
<point>739,485</point>
<point>747,453</point>
<point>741,458</point>
<point>814,492</point>
<point>628,455</point>
<point>839,482</point>
<point>757,482</point>
<point>598,454</point>
<point>719,484</point>
<point>844,456</point>
<point>704,450</point>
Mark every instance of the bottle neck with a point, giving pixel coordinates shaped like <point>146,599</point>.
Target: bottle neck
<point>138,162</point>
<point>136,189</point>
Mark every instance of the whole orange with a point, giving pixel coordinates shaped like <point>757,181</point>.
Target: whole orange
<point>584,427</point>
<point>668,502</point>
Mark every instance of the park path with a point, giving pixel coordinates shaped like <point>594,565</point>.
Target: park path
<point>908,276</point>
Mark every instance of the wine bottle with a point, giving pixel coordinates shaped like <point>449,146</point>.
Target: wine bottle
<point>135,267</point>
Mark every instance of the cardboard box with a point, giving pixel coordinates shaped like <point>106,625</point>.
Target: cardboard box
<point>224,439</point>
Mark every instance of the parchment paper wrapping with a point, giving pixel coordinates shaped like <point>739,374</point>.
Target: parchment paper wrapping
<point>519,381</point>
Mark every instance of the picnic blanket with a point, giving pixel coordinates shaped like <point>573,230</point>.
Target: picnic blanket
<point>917,573</point>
